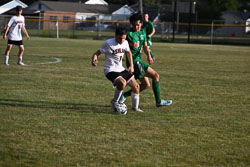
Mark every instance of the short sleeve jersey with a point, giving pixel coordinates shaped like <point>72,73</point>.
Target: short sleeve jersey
<point>15,32</point>
<point>148,26</point>
<point>139,38</point>
<point>114,53</point>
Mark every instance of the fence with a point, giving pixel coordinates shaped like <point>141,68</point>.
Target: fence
<point>214,33</point>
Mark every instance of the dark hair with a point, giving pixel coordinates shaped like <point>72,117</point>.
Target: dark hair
<point>135,17</point>
<point>120,30</point>
<point>19,8</point>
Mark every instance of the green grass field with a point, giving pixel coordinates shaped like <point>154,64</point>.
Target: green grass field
<point>58,114</point>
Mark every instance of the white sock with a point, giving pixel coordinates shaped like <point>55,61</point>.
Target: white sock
<point>117,95</point>
<point>6,59</point>
<point>135,100</point>
<point>20,59</point>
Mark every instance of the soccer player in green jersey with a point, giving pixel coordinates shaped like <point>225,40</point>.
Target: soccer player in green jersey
<point>150,31</point>
<point>136,38</point>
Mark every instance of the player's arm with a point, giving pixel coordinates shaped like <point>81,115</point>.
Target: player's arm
<point>147,52</point>
<point>131,41</point>
<point>133,44</point>
<point>153,30</point>
<point>152,33</point>
<point>95,57</point>
<point>130,59</point>
<point>25,32</point>
<point>8,28</point>
<point>6,32</point>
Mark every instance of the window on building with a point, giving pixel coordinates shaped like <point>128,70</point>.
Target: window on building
<point>53,18</point>
<point>66,19</point>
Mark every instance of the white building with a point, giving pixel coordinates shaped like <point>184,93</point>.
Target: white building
<point>96,2</point>
<point>10,5</point>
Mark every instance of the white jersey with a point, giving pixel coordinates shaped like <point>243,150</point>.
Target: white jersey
<point>15,32</point>
<point>114,54</point>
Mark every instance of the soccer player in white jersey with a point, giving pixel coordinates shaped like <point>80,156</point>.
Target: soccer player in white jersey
<point>114,50</point>
<point>14,30</point>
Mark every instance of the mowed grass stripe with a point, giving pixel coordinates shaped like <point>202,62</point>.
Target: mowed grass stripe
<point>60,115</point>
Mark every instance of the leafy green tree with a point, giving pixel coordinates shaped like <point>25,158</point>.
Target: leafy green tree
<point>212,9</point>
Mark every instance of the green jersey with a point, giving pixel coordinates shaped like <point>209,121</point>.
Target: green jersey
<point>148,26</point>
<point>139,38</point>
<point>140,68</point>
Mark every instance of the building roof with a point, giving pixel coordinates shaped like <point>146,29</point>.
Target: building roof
<point>78,7</point>
<point>6,6</point>
<point>100,2</point>
<point>25,12</point>
<point>2,2</point>
<point>240,15</point>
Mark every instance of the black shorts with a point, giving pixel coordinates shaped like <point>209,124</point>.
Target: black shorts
<point>112,76</point>
<point>18,43</point>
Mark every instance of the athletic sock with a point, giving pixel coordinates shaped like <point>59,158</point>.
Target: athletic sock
<point>157,91</point>
<point>6,61</point>
<point>20,59</point>
<point>128,93</point>
<point>117,95</point>
<point>135,100</point>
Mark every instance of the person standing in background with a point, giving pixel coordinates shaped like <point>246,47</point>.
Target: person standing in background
<point>14,32</point>
<point>148,26</point>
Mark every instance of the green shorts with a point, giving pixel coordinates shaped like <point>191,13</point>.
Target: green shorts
<point>149,43</point>
<point>140,69</point>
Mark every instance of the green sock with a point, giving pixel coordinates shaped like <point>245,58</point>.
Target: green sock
<point>152,55</point>
<point>128,93</point>
<point>157,91</point>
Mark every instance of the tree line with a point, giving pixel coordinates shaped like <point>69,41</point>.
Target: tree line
<point>207,9</point>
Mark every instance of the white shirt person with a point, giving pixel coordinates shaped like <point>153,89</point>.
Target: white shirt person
<point>114,50</point>
<point>14,30</point>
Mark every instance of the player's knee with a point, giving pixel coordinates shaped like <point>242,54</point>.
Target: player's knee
<point>8,48</point>
<point>145,86</point>
<point>156,77</point>
<point>121,83</point>
<point>137,88</point>
<point>21,49</point>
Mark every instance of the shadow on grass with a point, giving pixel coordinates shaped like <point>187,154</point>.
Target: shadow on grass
<point>60,106</point>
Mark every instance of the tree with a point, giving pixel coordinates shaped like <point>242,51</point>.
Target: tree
<point>212,9</point>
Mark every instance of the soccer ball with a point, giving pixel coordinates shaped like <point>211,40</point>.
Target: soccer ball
<point>120,108</point>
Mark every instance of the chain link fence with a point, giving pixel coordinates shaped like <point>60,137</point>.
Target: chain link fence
<point>66,27</point>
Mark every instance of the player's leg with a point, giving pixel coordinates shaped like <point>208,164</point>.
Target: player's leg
<point>149,43</point>
<point>144,84</point>
<point>140,70</point>
<point>135,95</point>
<point>20,55</point>
<point>135,88</point>
<point>151,73</point>
<point>120,84</point>
<point>7,54</point>
<point>152,55</point>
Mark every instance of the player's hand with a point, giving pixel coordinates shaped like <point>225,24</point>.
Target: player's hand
<point>131,69</point>
<point>134,44</point>
<point>4,36</point>
<point>28,37</point>
<point>94,61</point>
<point>150,60</point>
<point>141,50</point>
